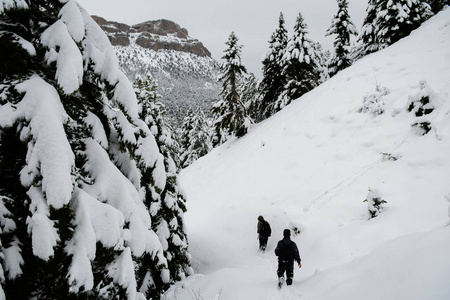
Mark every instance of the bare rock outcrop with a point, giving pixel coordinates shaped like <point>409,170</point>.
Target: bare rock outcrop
<point>155,35</point>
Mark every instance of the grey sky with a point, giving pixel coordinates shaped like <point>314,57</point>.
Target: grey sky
<point>212,21</point>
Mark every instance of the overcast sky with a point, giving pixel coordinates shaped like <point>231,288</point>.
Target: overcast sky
<point>212,21</point>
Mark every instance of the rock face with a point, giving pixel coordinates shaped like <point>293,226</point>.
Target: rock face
<point>154,35</point>
<point>186,73</point>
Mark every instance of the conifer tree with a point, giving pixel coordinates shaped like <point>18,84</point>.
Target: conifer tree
<point>195,137</point>
<point>367,40</point>
<point>302,69</point>
<point>324,57</point>
<point>76,161</point>
<point>249,91</point>
<point>229,113</point>
<point>343,27</point>
<point>387,21</point>
<point>273,81</point>
<point>165,199</point>
<point>397,18</point>
<point>437,5</point>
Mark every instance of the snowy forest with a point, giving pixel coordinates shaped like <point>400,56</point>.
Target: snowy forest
<point>91,203</point>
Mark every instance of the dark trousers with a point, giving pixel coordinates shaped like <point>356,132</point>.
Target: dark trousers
<point>288,267</point>
<point>263,243</point>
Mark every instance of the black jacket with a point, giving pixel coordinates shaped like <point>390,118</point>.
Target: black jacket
<point>260,226</point>
<point>287,251</point>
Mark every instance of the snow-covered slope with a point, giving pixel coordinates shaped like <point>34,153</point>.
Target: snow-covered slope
<point>311,166</point>
<point>185,80</point>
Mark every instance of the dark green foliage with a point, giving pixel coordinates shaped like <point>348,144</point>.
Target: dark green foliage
<point>230,117</point>
<point>389,21</point>
<point>343,27</point>
<point>302,68</point>
<point>273,81</point>
<point>375,203</point>
<point>420,107</point>
<point>48,278</point>
<point>49,281</point>
<point>195,137</point>
<point>437,5</point>
<point>393,26</point>
<point>249,95</point>
<point>15,61</point>
<point>12,160</point>
<point>166,203</point>
<point>43,279</point>
<point>424,127</point>
<point>104,287</point>
<point>367,40</point>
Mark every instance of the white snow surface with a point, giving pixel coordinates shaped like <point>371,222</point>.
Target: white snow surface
<point>311,166</point>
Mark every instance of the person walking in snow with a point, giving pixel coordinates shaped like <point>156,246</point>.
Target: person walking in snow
<point>264,232</point>
<point>287,252</point>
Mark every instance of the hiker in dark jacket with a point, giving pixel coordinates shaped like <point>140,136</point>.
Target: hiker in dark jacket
<point>287,252</point>
<point>264,231</point>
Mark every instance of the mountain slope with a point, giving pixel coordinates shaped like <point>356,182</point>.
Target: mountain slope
<point>310,167</point>
<point>186,73</point>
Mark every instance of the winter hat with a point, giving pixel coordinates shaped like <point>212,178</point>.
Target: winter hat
<point>286,232</point>
<point>260,218</point>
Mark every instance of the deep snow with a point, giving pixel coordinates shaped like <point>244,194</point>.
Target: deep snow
<point>311,166</point>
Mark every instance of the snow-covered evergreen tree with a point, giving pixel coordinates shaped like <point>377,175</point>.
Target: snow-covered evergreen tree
<point>250,96</point>
<point>165,199</point>
<point>76,161</point>
<point>374,202</point>
<point>397,18</point>
<point>302,66</point>
<point>387,21</point>
<point>273,81</point>
<point>437,5</point>
<point>373,102</point>
<point>367,40</point>
<point>422,105</point>
<point>343,27</point>
<point>229,113</point>
<point>195,137</point>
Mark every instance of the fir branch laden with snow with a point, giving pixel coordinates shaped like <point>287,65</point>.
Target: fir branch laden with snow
<point>422,105</point>
<point>374,202</point>
<point>76,159</point>
<point>373,102</point>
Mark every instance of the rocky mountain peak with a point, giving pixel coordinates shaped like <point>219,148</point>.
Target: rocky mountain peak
<point>155,35</point>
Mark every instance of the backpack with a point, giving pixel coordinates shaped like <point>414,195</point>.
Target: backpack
<point>266,231</point>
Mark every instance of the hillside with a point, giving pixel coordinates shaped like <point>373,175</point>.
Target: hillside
<point>186,73</point>
<point>310,167</point>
